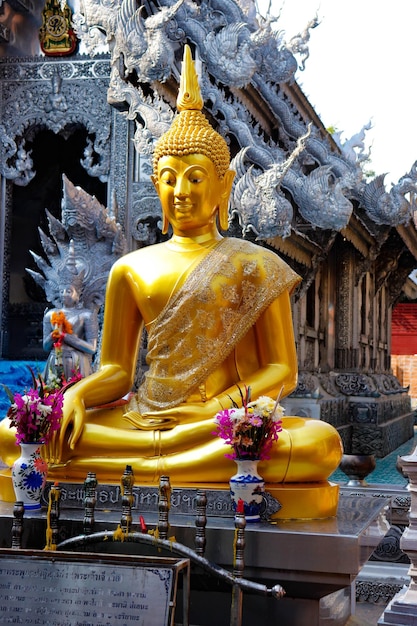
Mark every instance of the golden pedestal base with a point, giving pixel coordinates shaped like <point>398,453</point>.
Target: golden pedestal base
<point>305,500</point>
<point>6,486</point>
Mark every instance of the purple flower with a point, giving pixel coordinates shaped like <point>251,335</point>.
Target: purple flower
<point>251,430</point>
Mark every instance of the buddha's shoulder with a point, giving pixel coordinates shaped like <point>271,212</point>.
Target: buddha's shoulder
<point>147,266</point>
<point>138,259</point>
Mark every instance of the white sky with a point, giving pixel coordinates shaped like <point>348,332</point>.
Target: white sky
<point>362,66</point>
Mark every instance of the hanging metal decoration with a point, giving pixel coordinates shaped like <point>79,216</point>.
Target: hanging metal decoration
<point>56,35</point>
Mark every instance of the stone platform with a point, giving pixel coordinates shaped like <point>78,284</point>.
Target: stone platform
<point>315,561</point>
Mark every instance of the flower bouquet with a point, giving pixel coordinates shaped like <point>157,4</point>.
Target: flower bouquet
<point>35,415</point>
<point>56,375</point>
<point>250,431</point>
<point>61,327</point>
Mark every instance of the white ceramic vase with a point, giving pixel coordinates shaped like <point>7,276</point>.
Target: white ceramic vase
<point>248,486</point>
<point>29,473</point>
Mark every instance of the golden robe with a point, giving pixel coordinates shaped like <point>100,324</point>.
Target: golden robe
<point>222,297</point>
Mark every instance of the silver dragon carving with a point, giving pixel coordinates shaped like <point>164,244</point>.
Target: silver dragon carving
<point>299,43</point>
<point>257,195</point>
<point>354,147</point>
<point>237,49</point>
<point>393,207</point>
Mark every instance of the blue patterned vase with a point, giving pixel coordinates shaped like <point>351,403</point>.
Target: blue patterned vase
<point>29,473</point>
<point>249,486</point>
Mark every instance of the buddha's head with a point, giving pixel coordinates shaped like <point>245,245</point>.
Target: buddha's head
<point>191,157</point>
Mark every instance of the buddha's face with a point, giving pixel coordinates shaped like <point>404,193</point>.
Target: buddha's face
<point>190,192</point>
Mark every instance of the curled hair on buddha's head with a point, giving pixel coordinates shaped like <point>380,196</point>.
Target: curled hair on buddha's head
<point>190,132</point>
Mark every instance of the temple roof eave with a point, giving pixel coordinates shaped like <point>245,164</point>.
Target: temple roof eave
<point>297,247</point>
<point>408,235</point>
<point>357,233</point>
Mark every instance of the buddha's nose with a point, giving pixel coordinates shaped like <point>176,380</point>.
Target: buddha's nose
<point>182,187</point>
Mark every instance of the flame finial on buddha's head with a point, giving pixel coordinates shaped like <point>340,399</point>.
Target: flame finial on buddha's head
<point>190,132</point>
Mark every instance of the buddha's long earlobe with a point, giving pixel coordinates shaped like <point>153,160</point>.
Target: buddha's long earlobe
<point>224,200</point>
<point>224,214</point>
<point>165,224</point>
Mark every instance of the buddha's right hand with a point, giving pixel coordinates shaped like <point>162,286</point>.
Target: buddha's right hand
<point>167,419</point>
<point>72,425</point>
<point>144,422</point>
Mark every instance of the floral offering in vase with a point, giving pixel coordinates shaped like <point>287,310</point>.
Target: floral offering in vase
<point>250,431</point>
<point>35,415</point>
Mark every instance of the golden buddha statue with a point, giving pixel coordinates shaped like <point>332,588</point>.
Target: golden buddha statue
<point>218,317</point>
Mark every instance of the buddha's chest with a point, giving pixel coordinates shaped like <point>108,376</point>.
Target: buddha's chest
<point>160,280</point>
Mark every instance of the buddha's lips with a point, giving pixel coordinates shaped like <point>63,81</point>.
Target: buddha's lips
<point>183,207</point>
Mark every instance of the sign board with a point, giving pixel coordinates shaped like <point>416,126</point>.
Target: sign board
<point>146,498</point>
<point>66,588</point>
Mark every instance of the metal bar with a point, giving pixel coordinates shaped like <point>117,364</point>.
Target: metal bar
<point>163,506</point>
<point>90,499</point>
<point>127,483</point>
<point>238,567</point>
<point>17,526</point>
<point>175,548</point>
<point>201,522</point>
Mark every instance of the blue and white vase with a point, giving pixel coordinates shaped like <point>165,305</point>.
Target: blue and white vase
<point>247,485</point>
<point>29,473</point>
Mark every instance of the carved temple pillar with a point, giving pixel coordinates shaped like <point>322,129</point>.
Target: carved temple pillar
<point>345,356</point>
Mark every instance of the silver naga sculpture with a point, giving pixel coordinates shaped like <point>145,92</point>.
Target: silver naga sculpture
<point>80,252</point>
<point>354,148</point>
<point>399,203</point>
<point>299,43</point>
<point>236,49</point>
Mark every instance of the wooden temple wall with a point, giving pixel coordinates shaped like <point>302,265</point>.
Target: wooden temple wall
<point>342,325</point>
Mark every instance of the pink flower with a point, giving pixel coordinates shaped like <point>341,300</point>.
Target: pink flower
<point>36,415</point>
<point>251,430</point>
